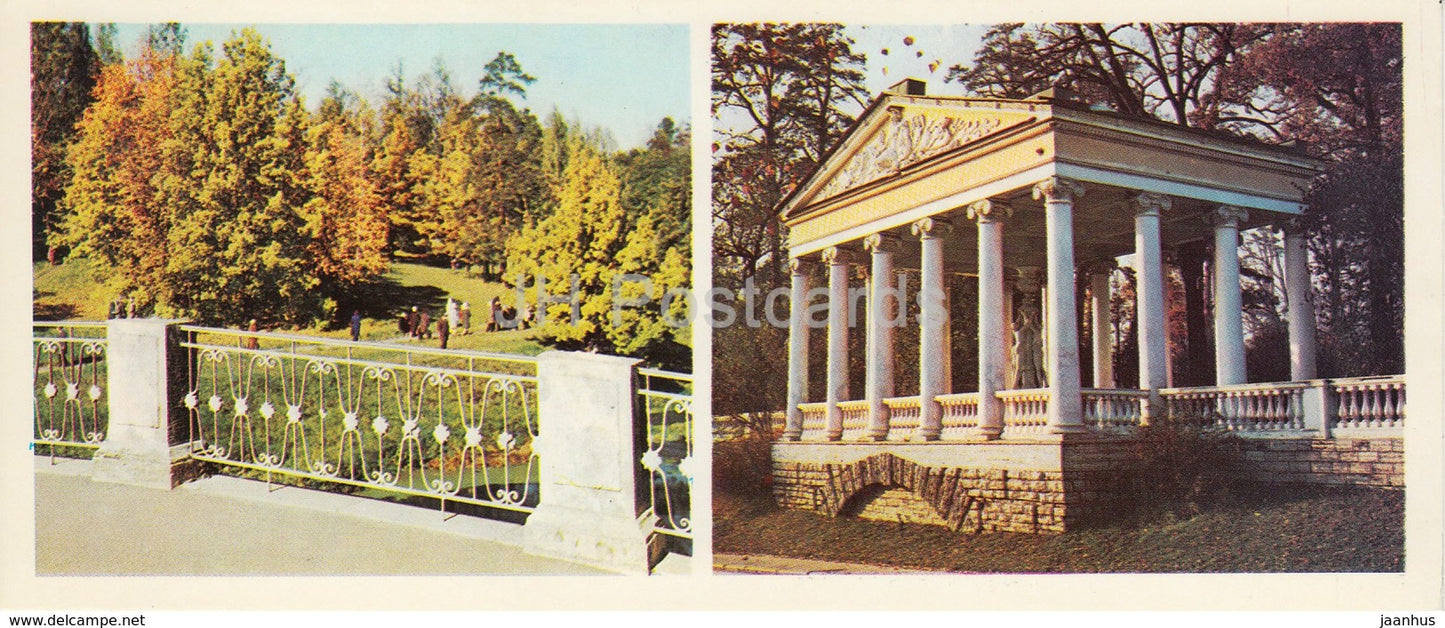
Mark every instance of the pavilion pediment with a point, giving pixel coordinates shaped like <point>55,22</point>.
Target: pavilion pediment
<point>893,139</point>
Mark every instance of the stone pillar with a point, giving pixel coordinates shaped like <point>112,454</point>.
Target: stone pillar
<point>1149,273</point>
<point>146,378</point>
<point>1301,302</point>
<point>1228,309</point>
<point>837,261</point>
<point>1099,274</point>
<point>932,326</point>
<point>883,315</point>
<point>797,348</point>
<point>1065,404</point>
<point>589,447</point>
<point>992,347</point>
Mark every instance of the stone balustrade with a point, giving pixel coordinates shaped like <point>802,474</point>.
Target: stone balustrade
<point>1113,409</point>
<point>1369,402</point>
<point>960,414</point>
<point>1025,411</point>
<point>1367,406</point>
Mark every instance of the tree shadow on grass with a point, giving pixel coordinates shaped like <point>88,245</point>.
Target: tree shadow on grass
<point>385,299</point>
<point>52,311</point>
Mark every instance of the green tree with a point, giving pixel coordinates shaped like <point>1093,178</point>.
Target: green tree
<point>241,247</point>
<point>613,217</point>
<point>64,68</point>
<point>207,190</point>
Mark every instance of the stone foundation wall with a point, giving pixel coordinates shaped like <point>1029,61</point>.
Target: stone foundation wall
<point>897,505</point>
<point>1377,462</point>
<point>1083,485</point>
<point>971,500</point>
<point>1038,487</point>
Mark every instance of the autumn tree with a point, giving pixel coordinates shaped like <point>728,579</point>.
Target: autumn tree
<point>110,212</point>
<point>201,183</point>
<point>344,216</point>
<point>1171,72</point>
<point>483,175</point>
<point>1338,90</point>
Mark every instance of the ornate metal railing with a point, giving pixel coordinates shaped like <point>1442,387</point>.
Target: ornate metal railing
<point>1106,409</point>
<point>1241,407</point>
<point>71,406</point>
<point>1369,402</point>
<point>457,427</point>
<point>668,460</point>
<point>1025,411</point>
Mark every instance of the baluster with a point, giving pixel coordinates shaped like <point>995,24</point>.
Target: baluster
<point>1372,399</point>
<point>1297,410</point>
<point>1399,398</point>
<point>1346,415</point>
<point>1387,404</point>
<point>1282,402</point>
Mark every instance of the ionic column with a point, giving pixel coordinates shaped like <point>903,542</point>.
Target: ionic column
<point>883,316</point>
<point>932,326</point>
<point>1301,304</point>
<point>1228,311</point>
<point>837,261</point>
<point>992,347</point>
<point>797,348</point>
<point>1062,362</point>
<point>1149,273</point>
<point>1100,271</point>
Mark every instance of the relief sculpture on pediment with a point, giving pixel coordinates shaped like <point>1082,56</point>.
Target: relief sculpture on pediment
<point>904,142</point>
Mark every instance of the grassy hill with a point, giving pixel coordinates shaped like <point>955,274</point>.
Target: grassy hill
<point>71,291</point>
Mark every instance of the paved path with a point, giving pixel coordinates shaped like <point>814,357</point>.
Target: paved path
<point>230,526</point>
<point>760,564</point>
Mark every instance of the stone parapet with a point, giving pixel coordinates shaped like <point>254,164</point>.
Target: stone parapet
<point>1371,462</point>
<point>1037,487</point>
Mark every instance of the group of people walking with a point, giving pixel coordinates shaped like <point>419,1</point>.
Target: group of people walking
<point>417,323</point>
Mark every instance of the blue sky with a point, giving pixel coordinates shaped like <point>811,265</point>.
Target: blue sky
<point>622,77</point>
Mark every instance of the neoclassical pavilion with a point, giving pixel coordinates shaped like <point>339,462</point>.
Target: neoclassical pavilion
<point>1026,195</point>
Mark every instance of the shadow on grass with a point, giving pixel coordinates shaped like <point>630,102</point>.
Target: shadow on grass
<point>1263,529</point>
<point>386,299</point>
<point>51,311</point>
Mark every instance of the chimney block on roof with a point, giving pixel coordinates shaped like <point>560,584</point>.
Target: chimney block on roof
<point>909,87</point>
